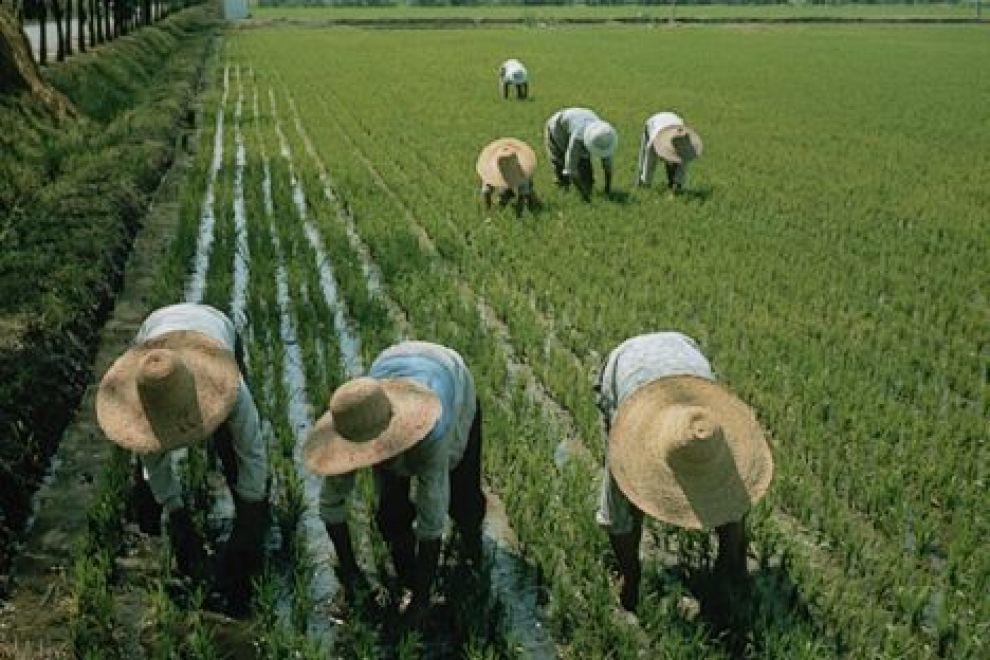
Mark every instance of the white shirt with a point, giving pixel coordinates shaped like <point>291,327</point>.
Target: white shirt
<point>431,460</point>
<point>636,362</point>
<point>513,72</point>
<point>243,422</point>
<point>648,156</point>
<point>565,138</point>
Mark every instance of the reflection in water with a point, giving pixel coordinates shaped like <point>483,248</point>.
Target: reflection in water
<point>204,243</point>
<point>515,584</point>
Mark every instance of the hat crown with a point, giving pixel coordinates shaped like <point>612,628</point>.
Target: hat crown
<point>361,409</point>
<point>683,145</point>
<point>600,138</point>
<point>509,167</point>
<point>693,439</point>
<point>167,389</point>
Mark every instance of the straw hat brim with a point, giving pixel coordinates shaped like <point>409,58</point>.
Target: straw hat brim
<point>415,410</point>
<point>663,143</point>
<point>122,417</point>
<point>487,166</point>
<point>721,493</point>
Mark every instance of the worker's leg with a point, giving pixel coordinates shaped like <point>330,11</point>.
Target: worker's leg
<point>394,518</point>
<point>143,508</point>
<point>467,501</point>
<point>555,152</point>
<point>732,544</point>
<point>626,548</point>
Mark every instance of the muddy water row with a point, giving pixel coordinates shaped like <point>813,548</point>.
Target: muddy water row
<point>204,242</point>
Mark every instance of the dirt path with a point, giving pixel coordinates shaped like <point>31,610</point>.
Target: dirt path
<point>38,614</point>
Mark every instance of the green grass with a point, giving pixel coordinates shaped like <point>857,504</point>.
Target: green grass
<point>829,257</point>
<point>71,199</point>
<point>550,12</point>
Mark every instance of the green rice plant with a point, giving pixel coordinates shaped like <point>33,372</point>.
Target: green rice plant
<point>92,625</point>
<point>585,299</point>
<point>162,612</point>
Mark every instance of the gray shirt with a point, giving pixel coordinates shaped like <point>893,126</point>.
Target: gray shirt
<point>636,362</point>
<point>430,461</point>
<point>243,422</point>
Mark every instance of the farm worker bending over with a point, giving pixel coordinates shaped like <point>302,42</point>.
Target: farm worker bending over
<point>506,168</point>
<point>512,72</point>
<point>666,138</point>
<point>182,383</point>
<point>680,447</point>
<point>415,416</point>
<point>573,137</point>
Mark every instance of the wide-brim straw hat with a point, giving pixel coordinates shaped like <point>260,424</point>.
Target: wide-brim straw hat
<point>688,452</point>
<point>676,144</point>
<point>601,139</point>
<point>169,392</point>
<point>506,163</point>
<point>370,420</point>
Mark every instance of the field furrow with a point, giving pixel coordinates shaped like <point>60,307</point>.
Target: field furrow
<point>197,282</point>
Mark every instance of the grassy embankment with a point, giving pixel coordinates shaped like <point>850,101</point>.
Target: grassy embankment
<point>795,258</point>
<point>71,199</point>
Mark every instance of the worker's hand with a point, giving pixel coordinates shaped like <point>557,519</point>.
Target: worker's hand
<point>413,617</point>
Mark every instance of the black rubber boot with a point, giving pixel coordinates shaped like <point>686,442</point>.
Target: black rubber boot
<point>402,547</point>
<point>243,556</point>
<point>187,545</point>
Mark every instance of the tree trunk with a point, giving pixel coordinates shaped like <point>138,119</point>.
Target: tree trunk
<point>19,72</point>
<point>81,25</point>
<point>59,32</point>
<point>43,33</point>
<point>106,20</point>
<point>68,28</point>
<point>95,22</point>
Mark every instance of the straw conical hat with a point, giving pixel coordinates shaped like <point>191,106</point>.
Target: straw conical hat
<point>678,143</point>
<point>688,452</point>
<point>171,391</point>
<point>369,421</point>
<point>506,163</point>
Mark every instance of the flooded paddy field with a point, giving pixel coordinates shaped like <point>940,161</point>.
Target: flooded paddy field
<point>828,254</point>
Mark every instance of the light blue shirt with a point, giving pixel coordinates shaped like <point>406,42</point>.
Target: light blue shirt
<point>429,461</point>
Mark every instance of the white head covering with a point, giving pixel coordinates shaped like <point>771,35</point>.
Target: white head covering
<point>600,139</point>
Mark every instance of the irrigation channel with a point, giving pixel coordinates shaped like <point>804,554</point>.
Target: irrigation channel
<point>513,580</point>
